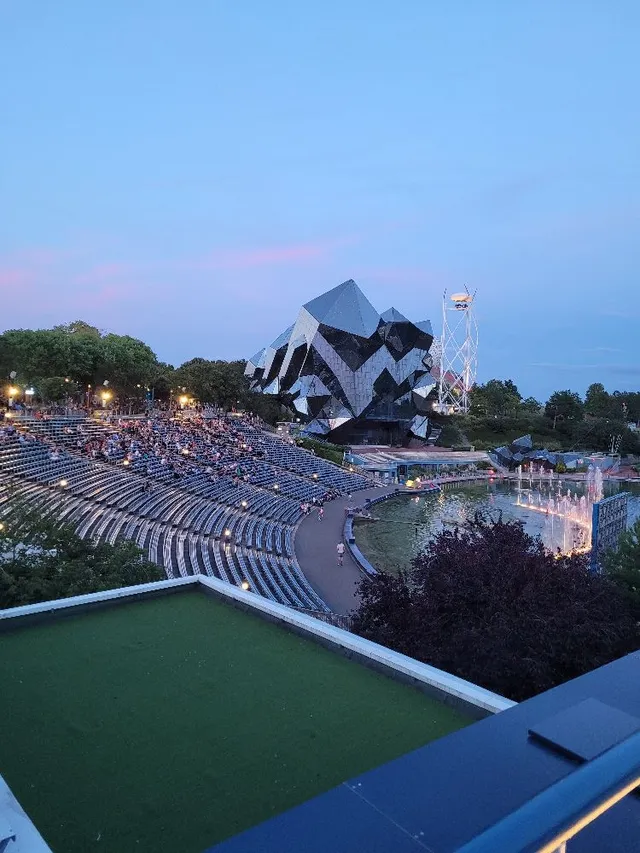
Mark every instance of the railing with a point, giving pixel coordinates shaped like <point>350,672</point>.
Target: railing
<point>551,819</point>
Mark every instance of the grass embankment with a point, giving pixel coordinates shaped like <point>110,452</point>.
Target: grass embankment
<point>489,433</point>
<point>331,452</point>
<point>172,723</point>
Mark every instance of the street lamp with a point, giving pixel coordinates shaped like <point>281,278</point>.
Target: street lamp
<point>106,396</point>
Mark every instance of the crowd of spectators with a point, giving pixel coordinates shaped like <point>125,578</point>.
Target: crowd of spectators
<point>220,447</point>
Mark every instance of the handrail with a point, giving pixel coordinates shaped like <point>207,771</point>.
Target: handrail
<point>547,821</point>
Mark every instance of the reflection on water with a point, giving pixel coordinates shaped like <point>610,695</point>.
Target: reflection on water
<point>407,523</point>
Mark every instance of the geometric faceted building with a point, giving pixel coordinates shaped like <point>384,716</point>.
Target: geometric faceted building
<point>351,373</point>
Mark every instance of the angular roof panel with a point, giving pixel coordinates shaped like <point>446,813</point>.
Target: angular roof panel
<point>257,360</point>
<point>282,339</point>
<point>425,326</point>
<point>392,315</point>
<point>345,307</point>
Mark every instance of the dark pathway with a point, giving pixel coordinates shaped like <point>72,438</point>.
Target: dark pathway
<point>315,545</point>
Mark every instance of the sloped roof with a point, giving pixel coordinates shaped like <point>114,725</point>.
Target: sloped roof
<point>392,315</point>
<point>282,339</point>
<point>345,307</point>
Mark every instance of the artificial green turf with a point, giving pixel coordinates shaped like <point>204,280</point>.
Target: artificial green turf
<point>172,723</point>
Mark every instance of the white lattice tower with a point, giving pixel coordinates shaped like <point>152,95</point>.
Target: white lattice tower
<point>458,353</point>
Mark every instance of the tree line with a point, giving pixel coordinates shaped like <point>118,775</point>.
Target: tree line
<point>500,413</point>
<point>77,362</point>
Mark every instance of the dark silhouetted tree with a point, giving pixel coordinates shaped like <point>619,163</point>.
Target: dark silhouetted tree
<point>489,604</point>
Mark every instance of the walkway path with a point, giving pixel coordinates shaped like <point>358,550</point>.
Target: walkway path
<point>315,545</point>
<point>316,541</point>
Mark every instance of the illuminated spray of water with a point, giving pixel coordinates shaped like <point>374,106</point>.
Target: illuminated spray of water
<point>568,522</point>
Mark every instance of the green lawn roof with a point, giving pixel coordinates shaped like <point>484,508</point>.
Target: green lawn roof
<point>172,723</point>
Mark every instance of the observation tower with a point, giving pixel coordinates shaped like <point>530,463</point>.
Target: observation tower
<point>458,352</point>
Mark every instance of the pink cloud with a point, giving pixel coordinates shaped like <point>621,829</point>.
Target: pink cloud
<point>267,256</point>
<point>105,273</point>
<point>104,297</point>
<point>399,275</point>
<point>13,277</point>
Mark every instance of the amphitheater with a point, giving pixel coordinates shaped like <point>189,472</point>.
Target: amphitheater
<point>230,513</point>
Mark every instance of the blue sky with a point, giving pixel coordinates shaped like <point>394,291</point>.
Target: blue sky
<point>190,173</point>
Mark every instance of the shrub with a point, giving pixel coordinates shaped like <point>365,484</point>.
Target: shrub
<point>489,604</point>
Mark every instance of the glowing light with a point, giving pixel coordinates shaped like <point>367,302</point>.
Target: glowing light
<point>64,483</point>
<point>227,533</point>
<point>185,451</point>
<point>1,525</point>
<point>245,585</point>
<point>243,504</point>
<point>184,400</point>
<point>13,391</point>
<point>125,461</point>
<point>106,395</point>
<point>29,392</point>
<point>315,476</point>
<point>276,486</point>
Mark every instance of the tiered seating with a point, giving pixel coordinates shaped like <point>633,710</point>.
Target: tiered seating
<point>234,531</point>
<point>290,457</point>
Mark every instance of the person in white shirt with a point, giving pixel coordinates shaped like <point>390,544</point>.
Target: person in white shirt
<point>340,550</point>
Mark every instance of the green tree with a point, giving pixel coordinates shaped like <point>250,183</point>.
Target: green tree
<point>597,401</point>
<point>218,382</point>
<point>531,406</point>
<point>41,560</point>
<point>163,381</point>
<point>126,363</point>
<point>79,327</point>
<point>497,398</point>
<point>623,565</point>
<point>565,405</point>
<point>54,389</point>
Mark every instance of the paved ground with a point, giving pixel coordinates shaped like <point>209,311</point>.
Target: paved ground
<point>315,545</point>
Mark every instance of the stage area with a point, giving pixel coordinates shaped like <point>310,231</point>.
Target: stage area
<point>173,723</point>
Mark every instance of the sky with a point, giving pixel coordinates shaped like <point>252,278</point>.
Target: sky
<point>191,173</point>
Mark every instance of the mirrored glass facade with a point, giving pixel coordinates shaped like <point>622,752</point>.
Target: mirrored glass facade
<point>348,369</point>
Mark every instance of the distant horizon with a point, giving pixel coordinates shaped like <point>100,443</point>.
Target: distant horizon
<point>192,179</point>
<point>266,341</point>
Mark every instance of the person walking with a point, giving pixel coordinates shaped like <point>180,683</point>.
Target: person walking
<point>340,550</point>
<point>321,513</point>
